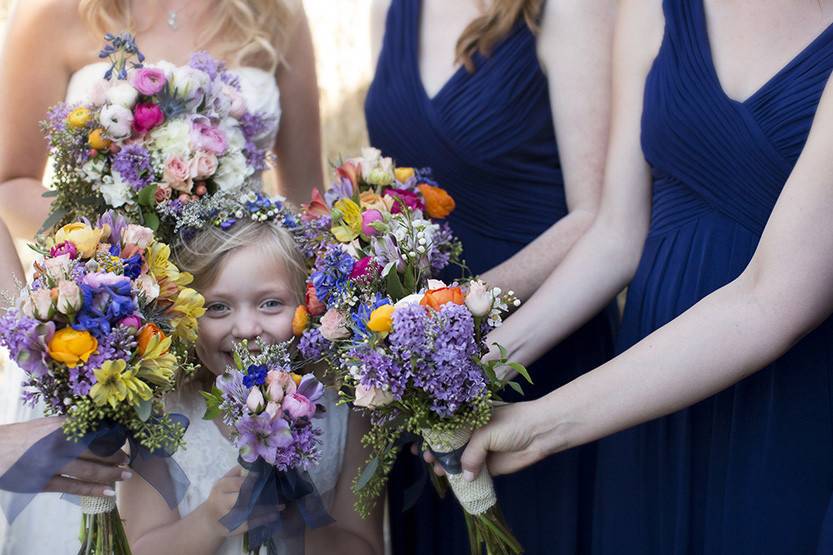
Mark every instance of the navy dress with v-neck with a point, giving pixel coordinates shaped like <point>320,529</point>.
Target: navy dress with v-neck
<point>489,139</point>
<point>748,471</point>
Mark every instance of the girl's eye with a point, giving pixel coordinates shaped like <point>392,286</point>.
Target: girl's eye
<point>215,309</point>
<point>272,304</point>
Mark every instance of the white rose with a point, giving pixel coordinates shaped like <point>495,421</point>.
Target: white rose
<point>42,303</point>
<point>232,171</point>
<point>115,190</point>
<point>372,397</point>
<point>116,120</point>
<point>122,94</point>
<point>479,299</point>
<point>58,267</point>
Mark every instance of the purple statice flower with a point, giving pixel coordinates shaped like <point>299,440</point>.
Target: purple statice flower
<point>409,338</point>
<point>380,370</point>
<point>255,156</point>
<point>313,345</point>
<point>331,274</point>
<point>260,436</point>
<point>304,450</point>
<point>133,163</point>
<point>255,375</point>
<point>204,61</point>
<point>26,339</point>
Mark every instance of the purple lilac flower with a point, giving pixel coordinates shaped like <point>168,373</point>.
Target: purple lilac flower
<point>81,379</point>
<point>204,61</point>
<point>303,451</point>
<point>254,126</point>
<point>409,337</point>
<point>57,116</point>
<point>438,257</point>
<point>313,345</point>
<point>255,156</point>
<point>380,370</point>
<point>133,163</point>
<point>260,436</point>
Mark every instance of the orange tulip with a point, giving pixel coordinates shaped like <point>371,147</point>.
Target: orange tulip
<point>148,332</point>
<point>438,203</point>
<point>435,298</point>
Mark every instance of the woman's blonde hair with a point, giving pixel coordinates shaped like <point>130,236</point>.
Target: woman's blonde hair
<point>486,31</point>
<point>203,255</point>
<point>241,32</point>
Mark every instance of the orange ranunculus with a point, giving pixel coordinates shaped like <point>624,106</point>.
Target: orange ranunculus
<point>97,140</point>
<point>300,320</point>
<point>438,203</point>
<point>72,347</point>
<point>381,319</point>
<point>435,298</point>
<point>148,332</point>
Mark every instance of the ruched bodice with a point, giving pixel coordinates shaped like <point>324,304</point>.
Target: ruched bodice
<point>749,470</point>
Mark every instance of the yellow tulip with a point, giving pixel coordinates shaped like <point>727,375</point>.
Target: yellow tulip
<point>79,117</point>
<point>381,319</point>
<point>97,140</point>
<point>72,347</point>
<point>84,237</point>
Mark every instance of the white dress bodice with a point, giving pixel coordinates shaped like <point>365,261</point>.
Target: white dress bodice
<point>208,455</point>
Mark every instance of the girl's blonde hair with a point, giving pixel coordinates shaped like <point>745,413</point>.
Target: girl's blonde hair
<point>203,255</point>
<point>241,32</point>
<point>486,31</point>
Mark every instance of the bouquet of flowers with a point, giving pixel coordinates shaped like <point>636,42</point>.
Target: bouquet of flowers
<point>102,334</point>
<point>270,409</point>
<point>151,138</point>
<point>403,345</point>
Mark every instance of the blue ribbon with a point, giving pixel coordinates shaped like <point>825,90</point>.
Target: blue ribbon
<point>30,474</point>
<point>273,502</point>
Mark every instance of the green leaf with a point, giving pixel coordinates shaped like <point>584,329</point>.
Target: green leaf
<point>368,472</point>
<point>520,369</point>
<point>395,288</point>
<point>502,349</point>
<point>143,410</point>
<point>212,403</point>
<point>517,387</point>
<point>410,278</point>
<point>50,193</point>
<point>52,220</point>
<point>147,196</point>
<point>238,361</point>
<point>151,220</point>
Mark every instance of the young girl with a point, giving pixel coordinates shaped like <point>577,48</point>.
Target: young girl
<point>252,277</point>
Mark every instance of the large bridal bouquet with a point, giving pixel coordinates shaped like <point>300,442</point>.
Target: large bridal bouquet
<point>102,334</point>
<point>270,409</point>
<point>405,347</point>
<point>151,138</point>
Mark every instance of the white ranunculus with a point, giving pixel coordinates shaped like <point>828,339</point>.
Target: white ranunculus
<point>122,94</point>
<point>372,397</point>
<point>117,121</point>
<point>232,171</point>
<point>93,169</point>
<point>115,190</point>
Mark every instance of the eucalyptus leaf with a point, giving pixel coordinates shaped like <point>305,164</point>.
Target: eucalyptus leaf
<point>50,193</point>
<point>143,410</point>
<point>56,216</point>
<point>367,473</point>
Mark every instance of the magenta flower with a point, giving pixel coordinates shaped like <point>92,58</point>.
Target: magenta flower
<point>362,267</point>
<point>64,248</point>
<point>148,80</point>
<point>409,198</point>
<point>368,217</point>
<point>260,436</point>
<point>146,116</point>
<point>297,406</point>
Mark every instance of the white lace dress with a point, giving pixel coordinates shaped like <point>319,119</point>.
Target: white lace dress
<point>261,93</point>
<point>209,455</point>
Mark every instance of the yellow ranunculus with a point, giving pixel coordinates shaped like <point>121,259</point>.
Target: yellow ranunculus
<point>381,319</point>
<point>84,237</point>
<point>347,220</point>
<point>97,140</point>
<point>110,386</point>
<point>188,306</point>
<point>79,117</point>
<point>403,174</point>
<point>72,347</point>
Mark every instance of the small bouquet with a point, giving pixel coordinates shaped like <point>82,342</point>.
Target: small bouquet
<point>151,138</point>
<point>270,409</point>
<point>103,333</point>
<point>403,345</point>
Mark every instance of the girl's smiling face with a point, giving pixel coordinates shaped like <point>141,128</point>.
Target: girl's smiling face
<point>251,296</point>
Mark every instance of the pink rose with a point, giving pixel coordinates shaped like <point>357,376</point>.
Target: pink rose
<point>138,235</point>
<point>372,397</point>
<point>146,116</point>
<point>255,400</point>
<point>334,325</point>
<point>237,104</point>
<point>203,165</point>
<point>207,137</point>
<point>274,389</point>
<point>298,406</point>
<point>274,410</point>
<point>148,80</point>
<point>177,174</point>
<point>409,198</point>
<point>368,217</point>
<point>287,383</point>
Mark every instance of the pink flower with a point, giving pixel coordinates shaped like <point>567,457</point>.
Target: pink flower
<point>298,406</point>
<point>287,383</point>
<point>148,80</point>
<point>237,104</point>
<point>177,174</point>
<point>274,410</point>
<point>207,137</point>
<point>368,217</point>
<point>138,235</point>
<point>203,165</point>
<point>42,303</point>
<point>255,400</point>
<point>163,192</point>
<point>409,198</point>
<point>69,297</point>
<point>363,267</point>
<point>274,389</point>
<point>371,397</point>
<point>131,321</point>
<point>146,116</point>
<point>64,248</point>
<point>334,325</point>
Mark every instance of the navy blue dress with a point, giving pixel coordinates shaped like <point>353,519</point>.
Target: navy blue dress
<point>489,138</point>
<point>748,471</point>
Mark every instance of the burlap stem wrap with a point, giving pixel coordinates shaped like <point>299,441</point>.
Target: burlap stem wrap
<point>476,497</point>
<point>97,505</point>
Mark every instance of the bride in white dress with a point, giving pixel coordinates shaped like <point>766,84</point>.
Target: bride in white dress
<point>50,53</point>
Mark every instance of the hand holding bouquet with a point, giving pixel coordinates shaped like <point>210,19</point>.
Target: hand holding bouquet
<point>102,334</point>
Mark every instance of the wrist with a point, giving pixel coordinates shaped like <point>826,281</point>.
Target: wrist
<point>551,429</point>
<point>209,521</point>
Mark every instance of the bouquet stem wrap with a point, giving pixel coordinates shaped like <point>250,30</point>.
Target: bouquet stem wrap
<point>97,505</point>
<point>476,497</point>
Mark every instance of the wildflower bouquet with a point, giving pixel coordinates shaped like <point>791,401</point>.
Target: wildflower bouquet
<point>102,334</point>
<point>270,409</point>
<point>151,138</point>
<point>403,346</point>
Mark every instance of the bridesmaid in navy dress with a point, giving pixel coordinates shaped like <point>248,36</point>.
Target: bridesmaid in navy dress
<point>728,312</point>
<point>488,134</point>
